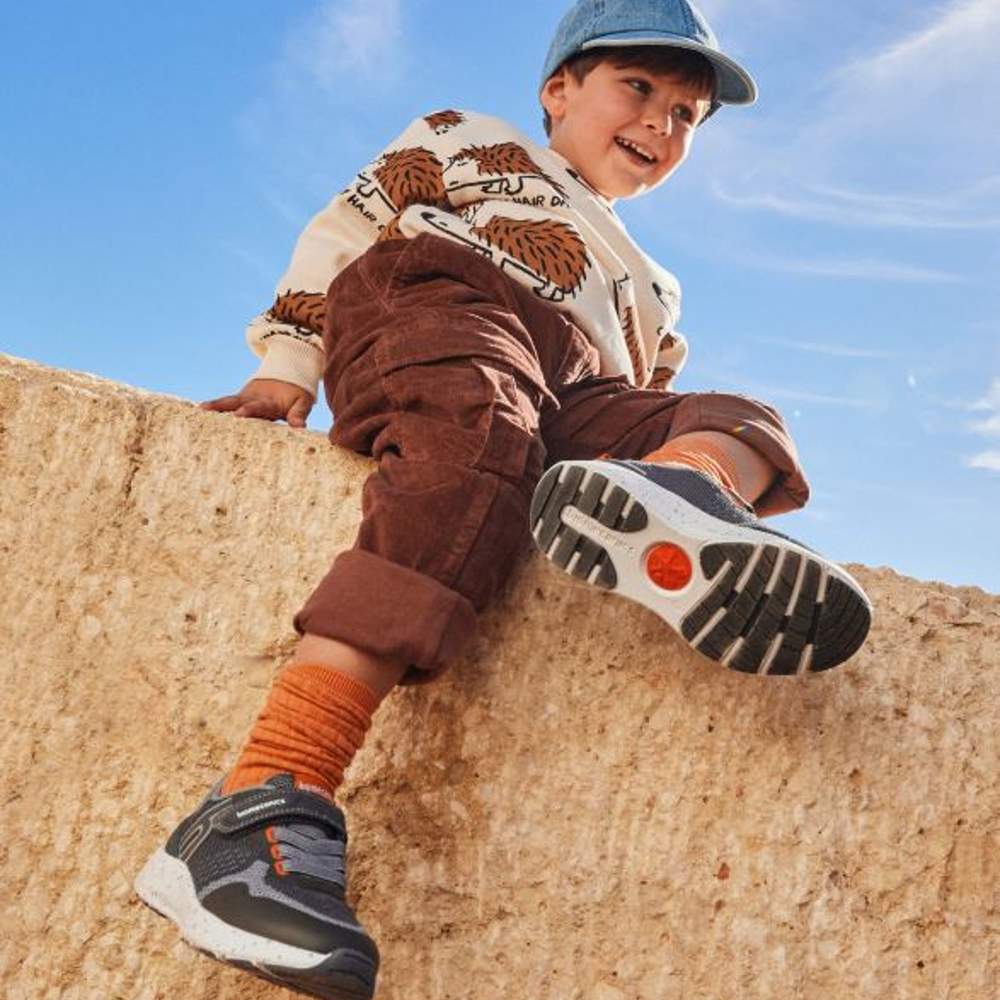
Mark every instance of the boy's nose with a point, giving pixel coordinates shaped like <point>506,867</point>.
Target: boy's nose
<point>660,124</point>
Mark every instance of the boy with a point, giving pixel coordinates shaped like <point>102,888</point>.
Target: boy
<point>488,315</point>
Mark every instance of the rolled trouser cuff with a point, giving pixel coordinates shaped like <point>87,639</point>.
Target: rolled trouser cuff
<point>761,427</point>
<point>391,612</point>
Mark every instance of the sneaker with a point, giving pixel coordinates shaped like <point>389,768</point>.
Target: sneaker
<point>257,879</point>
<point>672,539</point>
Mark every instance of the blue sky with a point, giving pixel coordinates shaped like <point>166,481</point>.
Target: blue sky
<point>837,243</point>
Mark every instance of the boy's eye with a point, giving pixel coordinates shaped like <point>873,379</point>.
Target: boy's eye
<point>682,112</point>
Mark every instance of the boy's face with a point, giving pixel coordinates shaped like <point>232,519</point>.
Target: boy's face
<point>594,122</point>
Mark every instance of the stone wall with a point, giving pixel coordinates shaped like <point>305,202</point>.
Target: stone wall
<point>582,809</point>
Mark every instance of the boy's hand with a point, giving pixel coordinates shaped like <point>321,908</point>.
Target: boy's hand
<point>266,399</point>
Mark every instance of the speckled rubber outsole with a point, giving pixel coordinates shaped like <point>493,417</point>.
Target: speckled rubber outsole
<point>752,599</point>
<point>165,885</point>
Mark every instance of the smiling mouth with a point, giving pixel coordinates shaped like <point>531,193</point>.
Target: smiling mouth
<point>636,153</point>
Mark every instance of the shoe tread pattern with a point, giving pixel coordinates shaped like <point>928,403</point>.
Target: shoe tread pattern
<point>755,616</point>
<point>553,496</point>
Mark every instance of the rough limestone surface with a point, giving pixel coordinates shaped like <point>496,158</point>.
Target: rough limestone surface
<point>582,809</point>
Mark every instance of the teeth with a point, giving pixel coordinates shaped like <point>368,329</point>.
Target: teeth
<point>628,144</point>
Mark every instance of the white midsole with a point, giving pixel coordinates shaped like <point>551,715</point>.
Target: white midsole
<point>671,519</point>
<point>166,885</point>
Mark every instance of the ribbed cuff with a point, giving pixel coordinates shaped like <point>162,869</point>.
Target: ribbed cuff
<point>291,360</point>
<point>333,681</point>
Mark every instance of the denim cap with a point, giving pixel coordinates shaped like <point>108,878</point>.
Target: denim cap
<point>590,24</point>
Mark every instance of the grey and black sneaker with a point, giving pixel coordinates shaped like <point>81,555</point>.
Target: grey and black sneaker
<point>674,540</point>
<point>257,879</point>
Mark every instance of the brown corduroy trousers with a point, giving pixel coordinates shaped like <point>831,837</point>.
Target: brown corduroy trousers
<point>465,386</point>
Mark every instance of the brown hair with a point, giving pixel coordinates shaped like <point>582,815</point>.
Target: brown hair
<point>688,66</point>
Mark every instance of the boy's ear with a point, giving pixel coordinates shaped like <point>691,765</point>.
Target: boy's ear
<point>553,95</point>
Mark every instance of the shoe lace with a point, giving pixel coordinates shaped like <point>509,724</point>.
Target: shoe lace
<point>310,850</point>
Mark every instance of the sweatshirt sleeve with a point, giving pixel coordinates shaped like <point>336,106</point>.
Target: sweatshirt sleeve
<point>288,337</point>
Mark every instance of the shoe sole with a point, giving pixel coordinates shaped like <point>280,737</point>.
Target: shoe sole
<point>165,885</point>
<point>748,599</point>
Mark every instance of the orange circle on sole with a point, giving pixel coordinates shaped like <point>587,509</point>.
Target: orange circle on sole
<point>668,566</point>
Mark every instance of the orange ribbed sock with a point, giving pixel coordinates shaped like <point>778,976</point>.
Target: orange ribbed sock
<point>708,458</point>
<point>312,725</point>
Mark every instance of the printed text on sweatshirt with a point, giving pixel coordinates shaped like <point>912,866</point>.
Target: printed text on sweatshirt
<point>482,183</point>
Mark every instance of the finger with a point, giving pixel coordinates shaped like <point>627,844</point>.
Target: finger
<point>261,409</point>
<point>222,403</point>
<point>299,412</point>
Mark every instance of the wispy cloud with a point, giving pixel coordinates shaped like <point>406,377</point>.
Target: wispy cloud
<point>348,38</point>
<point>870,209</point>
<point>964,30</point>
<point>861,269</point>
<point>760,391</point>
<point>985,460</point>
<point>285,208</point>
<point>318,114</point>
<point>829,349</point>
<point>991,401</point>
<point>987,428</point>
<point>901,139</point>
<point>259,265</point>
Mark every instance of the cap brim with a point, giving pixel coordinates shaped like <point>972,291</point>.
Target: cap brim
<point>736,85</point>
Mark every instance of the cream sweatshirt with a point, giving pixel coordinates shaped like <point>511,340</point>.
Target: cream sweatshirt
<point>480,182</point>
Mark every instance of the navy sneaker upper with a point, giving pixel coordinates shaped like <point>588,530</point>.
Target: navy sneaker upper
<point>703,492</point>
<point>271,860</point>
